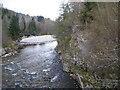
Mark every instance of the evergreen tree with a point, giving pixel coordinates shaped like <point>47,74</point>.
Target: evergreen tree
<point>32,27</point>
<point>14,28</point>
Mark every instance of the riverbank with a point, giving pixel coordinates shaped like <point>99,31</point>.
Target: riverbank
<point>13,49</point>
<point>7,54</point>
<point>89,51</point>
<point>9,49</point>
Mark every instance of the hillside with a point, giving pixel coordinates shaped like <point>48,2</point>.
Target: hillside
<point>28,25</point>
<point>88,43</point>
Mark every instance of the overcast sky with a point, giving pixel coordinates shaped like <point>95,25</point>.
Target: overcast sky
<point>46,8</point>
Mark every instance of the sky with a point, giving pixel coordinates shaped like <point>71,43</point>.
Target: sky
<point>47,8</point>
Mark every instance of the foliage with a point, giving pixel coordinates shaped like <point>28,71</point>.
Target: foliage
<point>14,28</point>
<point>71,15</point>
<point>32,28</point>
<point>23,20</point>
<point>40,18</point>
<point>23,26</point>
<point>64,25</point>
<point>5,12</point>
<point>85,13</point>
<point>97,39</point>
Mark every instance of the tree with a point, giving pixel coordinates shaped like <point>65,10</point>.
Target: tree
<point>65,23</point>
<point>40,18</point>
<point>32,27</point>
<point>5,12</point>
<point>24,24</point>
<point>14,28</point>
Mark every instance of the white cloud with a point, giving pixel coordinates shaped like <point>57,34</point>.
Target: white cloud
<point>46,8</point>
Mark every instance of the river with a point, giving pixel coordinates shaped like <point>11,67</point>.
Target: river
<point>36,66</point>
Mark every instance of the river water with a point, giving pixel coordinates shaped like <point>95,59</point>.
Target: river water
<point>36,66</point>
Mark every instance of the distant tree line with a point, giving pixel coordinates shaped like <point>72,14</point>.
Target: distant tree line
<point>15,31</point>
<point>18,26</point>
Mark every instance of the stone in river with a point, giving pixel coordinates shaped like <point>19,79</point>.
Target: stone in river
<point>8,68</point>
<point>33,73</point>
<point>14,74</point>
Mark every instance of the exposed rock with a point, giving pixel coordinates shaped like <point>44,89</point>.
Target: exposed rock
<point>65,67</point>
<point>80,80</point>
<point>2,52</point>
<point>9,54</point>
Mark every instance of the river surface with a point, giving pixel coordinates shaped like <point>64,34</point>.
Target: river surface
<point>36,66</point>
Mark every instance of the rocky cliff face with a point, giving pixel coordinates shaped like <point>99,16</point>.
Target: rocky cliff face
<point>90,56</point>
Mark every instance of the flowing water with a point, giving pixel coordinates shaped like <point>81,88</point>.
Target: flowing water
<point>36,66</point>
